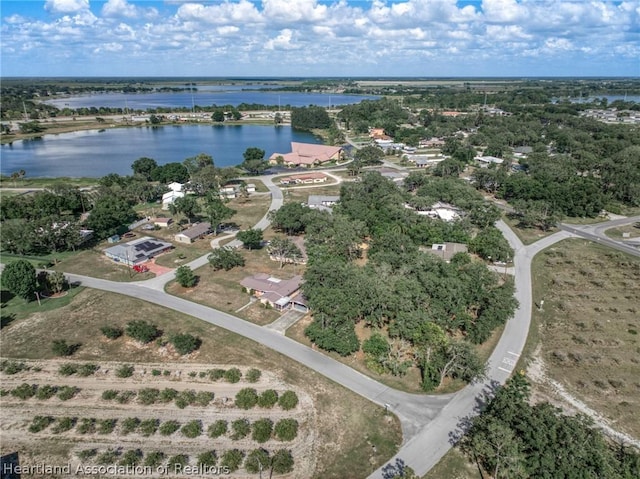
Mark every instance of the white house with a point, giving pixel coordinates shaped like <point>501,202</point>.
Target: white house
<point>175,186</point>
<point>169,197</point>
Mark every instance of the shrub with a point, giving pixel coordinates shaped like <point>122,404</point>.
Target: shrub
<point>246,398</point>
<point>253,375</point>
<point>223,258</point>
<point>25,391</point>
<point>131,458</point>
<point>261,430</point>
<point>59,347</point>
<point>67,369</point>
<point>178,461</point>
<point>154,459</point>
<point>40,423</point>
<point>257,461</point>
<point>185,398</point>
<point>282,461</point>
<point>286,429</point>
<point>148,396</point>
<point>110,456</point>
<point>168,395</point>
<point>268,398</point>
<point>288,400</point>
<point>156,372</point>
<point>109,394</point>
<point>125,371</point>
<point>185,343</point>
<point>129,425</point>
<point>217,429</point>
<point>192,429</point>
<point>148,427</point>
<point>169,427</point>
<point>232,459</point>
<point>241,429</point>
<point>86,426</point>
<point>46,392</point>
<point>106,426</point>
<point>233,375</point>
<point>86,454</point>
<point>208,458</point>
<point>204,398</point>
<point>142,331</point>
<point>185,277</point>
<point>125,396</point>
<point>64,424</point>
<point>87,369</point>
<point>216,374</point>
<point>67,392</point>
<point>12,367</point>
<point>111,332</point>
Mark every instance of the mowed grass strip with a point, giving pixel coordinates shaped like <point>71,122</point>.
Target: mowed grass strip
<point>589,326</point>
<point>346,425</point>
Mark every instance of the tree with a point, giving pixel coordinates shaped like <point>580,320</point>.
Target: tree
<point>187,205</point>
<point>490,244</point>
<point>282,461</point>
<point>142,331</point>
<point>261,430</point>
<point>251,238</point>
<point>19,277</point>
<point>144,167</point>
<point>170,172</point>
<point>185,277</point>
<point>232,459</point>
<point>246,398</point>
<point>369,155</point>
<point>254,161</point>
<point>218,116</point>
<point>288,400</point>
<point>110,212</point>
<point>290,218</point>
<point>196,163</point>
<point>185,343</point>
<point>225,258</point>
<point>56,281</point>
<point>257,461</point>
<point>286,429</point>
<point>59,347</point>
<point>284,250</point>
<point>216,210</point>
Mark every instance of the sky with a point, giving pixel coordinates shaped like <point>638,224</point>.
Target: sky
<point>318,38</point>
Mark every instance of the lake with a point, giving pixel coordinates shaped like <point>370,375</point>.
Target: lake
<point>205,97</point>
<point>96,153</point>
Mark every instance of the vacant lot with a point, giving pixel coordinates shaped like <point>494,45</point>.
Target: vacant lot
<point>346,428</point>
<point>588,330</point>
<point>627,231</point>
<point>301,195</point>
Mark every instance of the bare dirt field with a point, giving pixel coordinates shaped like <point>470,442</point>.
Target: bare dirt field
<point>342,434</point>
<point>587,331</point>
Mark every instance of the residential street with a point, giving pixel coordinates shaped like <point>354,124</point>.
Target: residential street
<point>429,423</point>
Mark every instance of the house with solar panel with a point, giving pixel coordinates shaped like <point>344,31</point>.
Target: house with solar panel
<point>137,251</point>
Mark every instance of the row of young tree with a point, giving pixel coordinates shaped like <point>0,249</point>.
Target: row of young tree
<point>426,312</point>
<point>514,439</point>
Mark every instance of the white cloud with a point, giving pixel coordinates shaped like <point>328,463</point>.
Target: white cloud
<point>66,6</point>
<point>242,12</point>
<point>293,11</point>
<point>124,9</point>
<point>282,42</point>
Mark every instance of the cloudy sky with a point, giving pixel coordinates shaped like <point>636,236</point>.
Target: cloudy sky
<point>429,38</point>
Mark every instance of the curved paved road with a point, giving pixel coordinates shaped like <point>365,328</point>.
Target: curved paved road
<point>428,422</point>
<point>596,232</point>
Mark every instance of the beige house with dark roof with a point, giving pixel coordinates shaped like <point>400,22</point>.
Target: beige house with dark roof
<point>278,293</point>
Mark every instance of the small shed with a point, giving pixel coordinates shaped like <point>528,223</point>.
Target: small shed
<point>113,239</point>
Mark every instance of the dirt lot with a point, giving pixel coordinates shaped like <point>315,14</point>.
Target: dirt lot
<point>588,328</point>
<point>16,415</point>
<point>346,428</point>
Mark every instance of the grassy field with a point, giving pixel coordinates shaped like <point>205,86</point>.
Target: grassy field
<point>301,195</point>
<point>348,425</point>
<point>93,262</point>
<point>454,465</point>
<point>587,331</point>
<point>527,235</point>
<point>616,233</point>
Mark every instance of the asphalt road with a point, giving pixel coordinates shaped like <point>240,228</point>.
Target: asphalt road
<point>596,233</point>
<point>430,424</point>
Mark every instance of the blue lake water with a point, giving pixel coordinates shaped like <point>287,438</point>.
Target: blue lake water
<point>205,97</point>
<point>97,153</point>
